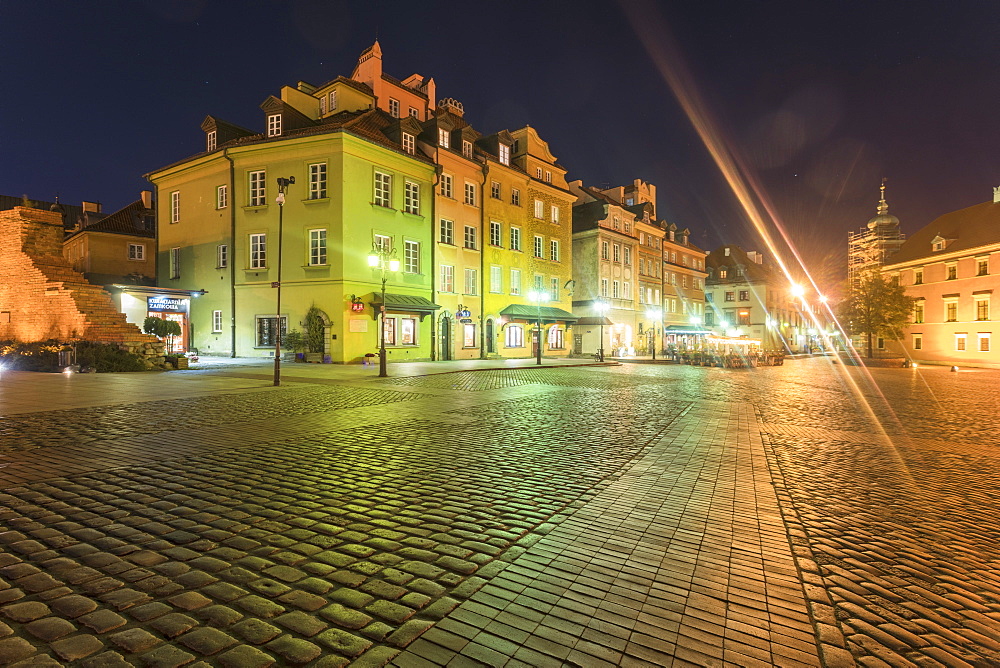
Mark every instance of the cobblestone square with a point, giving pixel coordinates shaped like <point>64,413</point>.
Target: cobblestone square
<point>632,515</point>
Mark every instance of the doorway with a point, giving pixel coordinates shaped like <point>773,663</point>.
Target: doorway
<point>490,337</point>
<point>445,337</point>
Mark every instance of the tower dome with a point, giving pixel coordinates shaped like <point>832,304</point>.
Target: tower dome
<point>883,218</point>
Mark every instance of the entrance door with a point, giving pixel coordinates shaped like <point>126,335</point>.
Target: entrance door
<point>534,342</point>
<point>177,344</point>
<point>578,344</point>
<point>445,337</point>
<point>490,337</point>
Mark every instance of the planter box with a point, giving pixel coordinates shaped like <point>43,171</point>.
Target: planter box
<point>315,358</point>
<point>181,363</point>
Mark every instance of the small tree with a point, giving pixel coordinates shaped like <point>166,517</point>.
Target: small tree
<point>315,328</point>
<point>876,306</point>
<point>162,329</point>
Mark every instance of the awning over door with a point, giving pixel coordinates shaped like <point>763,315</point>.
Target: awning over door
<point>403,303</point>
<point>529,312</point>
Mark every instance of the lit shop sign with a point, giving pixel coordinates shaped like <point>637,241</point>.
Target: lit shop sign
<point>167,304</point>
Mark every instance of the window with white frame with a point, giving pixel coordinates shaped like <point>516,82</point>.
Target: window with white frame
<point>136,251</point>
<point>221,256</point>
<point>538,172</point>
<point>446,186</point>
<point>394,107</point>
<point>515,197</point>
<point>317,180</point>
<point>496,233</point>
<point>470,237</point>
<point>175,206</point>
<point>548,176</point>
<point>407,331</point>
<point>982,266</point>
<point>960,340</point>
<point>515,238</point>
<point>553,250</point>
<point>444,141</point>
<point>918,312</point>
<point>273,125</point>
<point>211,140</point>
<point>616,222</point>
<point>175,263</point>
<point>982,308</point>
<point>258,251</point>
<point>984,342</point>
<point>539,208</point>
<point>554,214</point>
<point>496,278</point>
<point>628,255</point>
<point>470,193</point>
<point>447,278</point>
<point>554,289</point>
<point>389,328</point>
<point>414,113</point>
<point>266,330</point>
<point>468,336</point>
<point>515,281</point>
<point>409,144</point>
<point>471,280</point>
<point>216,322</point>
<point>539,245</point>
<point>333,101</point>
<point>604,250</point>
<point>258,188</point>
<point>618,252</point>
<point>467,148</point>
<point>918,341</point>
<point>411,202</point>
<point>539,282</point>
<point>616,289</point>
<point>322,105</point>
<point>951,311</point>
<point>504,154</point>
<point>411,257</point>
<point>952,271</point>
<point>556,339</point>
<point>604,287</point>
<point>495,190</point>
<point>626,290</point>
<point>383,189</point>
<point>447,231</point>
<point>514,336</point>
<point>317,247</point>
<point>383,243</point>
<point>222,197</point>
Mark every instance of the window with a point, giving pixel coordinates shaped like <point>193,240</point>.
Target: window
<point>333,101</point>
<point>443,139</point>
<point>709,319</point>
<point>626,290</point>
<point>539,208</point>
<point>538,172</point>
<point>470,237</point>
<point>627,227</point>
<point>938,244</point>
<point>744,295</point>
<point>918,312</point>
<point>210,140</point>
<point>539,281</point>
<point>983,309</point>
<point>554,289</point>
<point>515,197</point>
<point>383,189</point>
<point>960,341</point>
<point>222,256</point>
<point>556,339</point>
<point>175,263</point>
<point>618,252</point>
<point>222,197</point>
<point>743,318</point>
<point>604,250</point>
<point>266,326</point>
<point>216,321</point>
<point>539,241</point>
<point>918,276</point>
<point>383,243</point>
<point>918,341</point>
<point>258,188</point>
<point>393,108</point>
<point>617,222</point>
<point>730,296</point>
<point>447,278</point>
<point>322,105</point>
<point>411,202</point>
<point>615,289</point>
<point>495,190</point>
<point>554,214</point>
<point>982,266</point>
<point>470,282</point>
<point>515,281</point>
<point>470,194</point>
<point>389,327</point>
<point>723,273</point>
<point>952,270</point>
<point>468,336</point>
<point>317,180</point>
<point>984,342</point>
<point>446,185</point>
<point>411,257</point>
<point>514,336</point>
<point>496,233</point>
<point>504,154</point>
<point>604,287</point>
<point>553,250</point>
<point>317,247</point>
<point>407,331</point>
<point>414,113</point>
<point>136,252</point>
<point>548,176</point>
<point>467,148</point>
<point>273,125</point>
<point>951,312</point>
<point>515,238</point>
<point>409,145</point>
<point>258,251</point>
<point>175,206</point>
<point>628,254</point>
<point>496,278</point>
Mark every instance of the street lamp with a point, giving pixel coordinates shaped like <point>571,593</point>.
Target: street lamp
<point>601,307</point>
<point>283,184</point>
<point>538,297</point>
<point>383,259</point>
<point>655,314</point>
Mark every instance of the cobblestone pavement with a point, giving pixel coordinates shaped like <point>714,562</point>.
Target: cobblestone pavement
<point>642,515</point>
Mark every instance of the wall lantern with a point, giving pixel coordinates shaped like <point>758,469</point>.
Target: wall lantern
<point>357,306</point>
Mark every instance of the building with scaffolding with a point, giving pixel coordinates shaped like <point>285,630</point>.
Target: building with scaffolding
<point>874,244</point>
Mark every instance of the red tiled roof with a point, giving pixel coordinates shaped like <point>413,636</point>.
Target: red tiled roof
<point>972,227</point>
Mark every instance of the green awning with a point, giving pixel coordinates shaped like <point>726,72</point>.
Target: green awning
<point>532,313</point>
<point>402,303</point>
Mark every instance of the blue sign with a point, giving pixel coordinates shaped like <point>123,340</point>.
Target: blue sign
<point>167,304</point>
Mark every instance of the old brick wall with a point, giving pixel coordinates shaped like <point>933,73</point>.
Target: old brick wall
<point>42,297</point>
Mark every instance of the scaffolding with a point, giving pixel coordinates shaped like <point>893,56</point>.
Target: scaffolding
<point>870,247</point>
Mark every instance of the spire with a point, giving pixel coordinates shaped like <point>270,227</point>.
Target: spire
<point>883,207</point>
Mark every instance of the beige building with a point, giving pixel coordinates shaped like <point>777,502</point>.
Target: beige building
<point>118,248</point>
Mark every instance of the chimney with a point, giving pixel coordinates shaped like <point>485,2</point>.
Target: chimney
<point>452,105</point>
<point>147,199</point>
<point>996,194</point>
<point>91,206</point>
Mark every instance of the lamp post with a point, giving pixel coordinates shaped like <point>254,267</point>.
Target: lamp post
<point>655,314</point>
<point>283,184</point>
<point>383,259</point>
<point>538,296</point>
<point>601,307</point>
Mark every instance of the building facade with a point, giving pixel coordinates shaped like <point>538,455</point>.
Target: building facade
<point>951,268</point>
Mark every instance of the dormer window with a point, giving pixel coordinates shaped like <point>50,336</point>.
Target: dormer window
<point>467,148</point>
<point>504,154</point>
<point>443,139</point>
<point>671,235</point>
<point>538,172</point>
<point>322,105</point>
<point>939,243</point>
<point>630,201</point>
<point>548,176</point>
<point>408,143</point>
<point>414,113</point>
<point>210,140</point>
<point>274,125</point>
<point>393,108</point>
<point>333,101</point>
<point>723,273</point>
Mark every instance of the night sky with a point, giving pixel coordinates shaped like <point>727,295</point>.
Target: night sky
<point>818,100</point>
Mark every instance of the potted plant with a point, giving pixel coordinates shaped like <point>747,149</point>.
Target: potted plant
<point>314,335</point>
<point>295,342</point>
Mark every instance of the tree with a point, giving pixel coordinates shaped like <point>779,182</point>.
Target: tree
<point>876,305</point>
<point>162,329</point>
<point>315,329</point>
